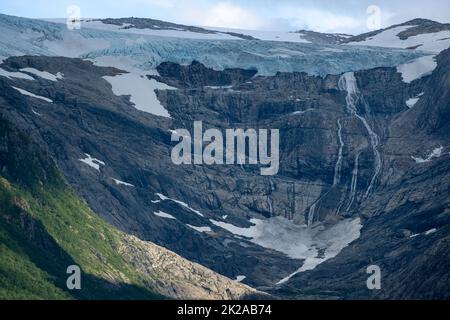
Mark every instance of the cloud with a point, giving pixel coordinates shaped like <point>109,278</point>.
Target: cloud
<point>226,14</point>
<point>320,20</point>
<point>223,14</point>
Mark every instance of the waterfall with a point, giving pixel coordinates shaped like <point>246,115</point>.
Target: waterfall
<point>354,183</point>
<point>337,168</point>
<point>312,213</point>
<point>374,142</point>
<point>347,82</point>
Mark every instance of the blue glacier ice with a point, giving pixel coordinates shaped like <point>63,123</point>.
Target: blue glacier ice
<point>19,36</point>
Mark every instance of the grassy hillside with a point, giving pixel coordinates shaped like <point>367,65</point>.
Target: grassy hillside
<point>45,227</point>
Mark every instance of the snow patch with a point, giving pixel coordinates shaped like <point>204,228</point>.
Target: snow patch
<point>36,113</point>
<point>43,74</point>
<point>26,93</point>
<point>431,231</point>
<point>92,162</point>
<point>412,101</point>
<point>301,112</point>
<point>200,229</point>
<point>336,238</point>
<point>417,68</point>
<point>18,75</point>
<point>314,245</point>
<point>431,42</point>
<point>121,183</point>
<point>218,87</point>
<point>181,203</point>
<point>426,233</point>
<point>141,91</point>
<point>436,153</point>
<point>240,278</point>
<point>164,215</point>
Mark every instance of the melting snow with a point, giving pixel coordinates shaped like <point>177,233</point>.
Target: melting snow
<point>92,162</point>
<point>141,91</point>
<point>428,42</point>
<point>298,242</point>
<point>302,112</point>
<point>412,101</point>
<point>432,42</point>
<point>162,214</point>
<point>431,231</point>
<point>436,153</point>
<point>245,232</point>
<point>43,74</point>
<point>387,39</point>
<point>26,93</point>
<point>181,203</point>
<point>417,68</point>
<point>334,240</point>
<point>118,182</point>
<point>18,75</point>
<point>200,229</point>
<point>426,233</point>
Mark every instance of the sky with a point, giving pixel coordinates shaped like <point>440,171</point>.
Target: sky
<point>342,16</point>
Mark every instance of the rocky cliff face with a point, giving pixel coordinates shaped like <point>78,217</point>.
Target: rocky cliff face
<point>406,219</point>
<point>44,228</point>
<point>350,149</point>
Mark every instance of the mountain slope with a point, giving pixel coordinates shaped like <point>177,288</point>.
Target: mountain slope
<point>419,34</point>
<point>45,228</point>
<point>323,38</point>
<point>363,159</point>
<point>407,220</point>
<point>163,28</point>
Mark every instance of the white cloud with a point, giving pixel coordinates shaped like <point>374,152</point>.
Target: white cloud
<point>320,20</point>
<point>226,14</point>
<point>223,14</point>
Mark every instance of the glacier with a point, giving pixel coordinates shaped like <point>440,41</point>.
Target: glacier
<point>22,36</point>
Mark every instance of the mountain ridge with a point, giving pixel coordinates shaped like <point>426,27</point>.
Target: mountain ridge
<point>362,175</point>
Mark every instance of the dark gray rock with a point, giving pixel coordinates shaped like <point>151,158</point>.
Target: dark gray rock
<point>406,199</point>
